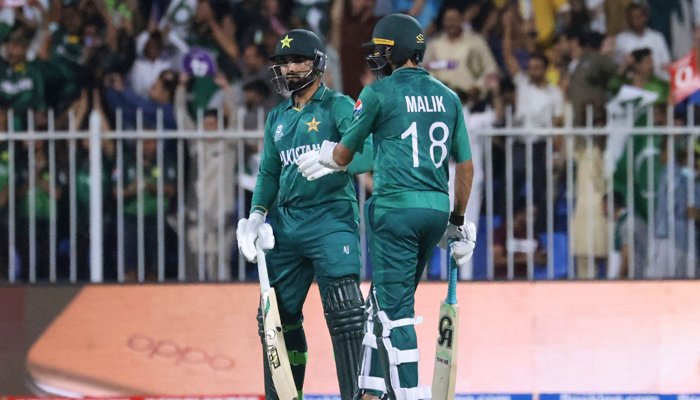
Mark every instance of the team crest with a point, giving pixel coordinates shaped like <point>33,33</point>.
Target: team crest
<point>420,38</point>
<point>346,249</point>
<point>279,132</point>
<point>358,108</point>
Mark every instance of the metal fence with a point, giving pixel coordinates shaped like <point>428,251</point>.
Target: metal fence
<point>161,205</point>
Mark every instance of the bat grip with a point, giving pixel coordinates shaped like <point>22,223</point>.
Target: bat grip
<point>452,281</point>
<point>262,269</point>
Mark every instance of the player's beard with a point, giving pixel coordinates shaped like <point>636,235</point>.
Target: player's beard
<point>299,81</point>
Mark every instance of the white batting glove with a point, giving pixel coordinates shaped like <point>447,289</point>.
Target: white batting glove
<point>251,229</point>
<point>266,238</point>
<point>466,231</point>
<point>310,168</point>
<point>325,156</point>
<point>462,251</point>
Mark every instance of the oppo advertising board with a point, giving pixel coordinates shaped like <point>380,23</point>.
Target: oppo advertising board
<point>543,339</point>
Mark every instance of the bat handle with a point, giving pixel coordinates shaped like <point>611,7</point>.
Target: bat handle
<point>262,269</point>
<point>452,282</point>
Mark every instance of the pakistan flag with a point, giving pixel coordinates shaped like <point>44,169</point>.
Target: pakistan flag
<point>645,151</point>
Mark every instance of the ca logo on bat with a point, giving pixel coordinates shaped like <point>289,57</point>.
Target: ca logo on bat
<point>446,331</point>
<point>272,355</point>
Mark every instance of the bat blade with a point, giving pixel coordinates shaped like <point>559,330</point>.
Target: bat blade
<point>445,372</point>
<point>276,349</point>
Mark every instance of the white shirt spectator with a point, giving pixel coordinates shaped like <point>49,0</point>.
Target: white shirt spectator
<point>145,72</point>
<point>462,63</point>
<point>628,41</point>
<point>537,104</point>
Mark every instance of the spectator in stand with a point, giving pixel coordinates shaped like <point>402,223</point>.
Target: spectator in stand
<point>589,233</point>
<point>353,21</point>
<point>34,203</point>
<point>254,68</point>
<point>63,49</point>
<point>545,18</point>
<point>149,65</point>
<point>212,182</point>
<point>256,96</point>
<point>613,10</point>
<point>589,74</point>
<point>539,104</point>
<point>460,58</point>
<point>519,245</point>
<point>161,96</point>
<point>145,192</point>
<point>639,35</point>
<point>21,82</point>
<point>486,23</point>
<point>671,260</point>
<point>646,150</point>
<point>215,31</point>
<point>31,16</point>
<point>82,107</point>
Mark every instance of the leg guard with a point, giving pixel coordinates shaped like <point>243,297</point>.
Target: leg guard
<point>270,393</point>
<point>297,352</point>
<point>370,378</point>
<point>396,357</point>
<point>344,311</point>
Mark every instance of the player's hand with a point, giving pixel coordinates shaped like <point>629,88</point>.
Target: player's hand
<point>325,156</point>
<point>314,164</point>
<point>251,229</point>
<point>310,168</point>
<point>465,231</point>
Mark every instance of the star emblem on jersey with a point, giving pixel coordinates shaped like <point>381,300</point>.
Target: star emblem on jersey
<point>287,41</point>
<point>313,125</point>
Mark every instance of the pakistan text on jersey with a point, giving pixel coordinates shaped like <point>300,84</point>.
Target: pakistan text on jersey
<point>290,156</point>
<point>10,87</point>
<point>424,104</point>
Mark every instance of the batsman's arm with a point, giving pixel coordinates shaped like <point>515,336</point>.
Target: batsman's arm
<point>365,114</point>
<point>462,154</point>
<point>268,182</point>
<point>362,161</point>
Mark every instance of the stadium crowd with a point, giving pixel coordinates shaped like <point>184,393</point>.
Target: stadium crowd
<point>190,63</point>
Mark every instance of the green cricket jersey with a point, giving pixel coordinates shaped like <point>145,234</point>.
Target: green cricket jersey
<point>151,172</point>
<point>291,132</point>
<point>417,124</point>
<point>22,89</point>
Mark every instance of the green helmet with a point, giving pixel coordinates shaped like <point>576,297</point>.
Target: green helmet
<point>297,43</point>
<point>396,38</point>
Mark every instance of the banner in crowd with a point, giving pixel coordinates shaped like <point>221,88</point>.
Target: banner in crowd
<point>685,78</point>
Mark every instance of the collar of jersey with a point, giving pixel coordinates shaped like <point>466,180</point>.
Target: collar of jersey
<point>410,70</point>
<point>318,95</point>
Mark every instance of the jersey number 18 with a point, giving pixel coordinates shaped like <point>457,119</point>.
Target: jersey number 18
<point>435,144</point>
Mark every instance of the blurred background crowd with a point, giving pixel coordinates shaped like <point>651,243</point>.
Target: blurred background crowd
<point>183,64</point>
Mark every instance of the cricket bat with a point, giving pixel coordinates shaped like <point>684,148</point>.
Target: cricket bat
<point>275,348</point>
<point>445,372</point>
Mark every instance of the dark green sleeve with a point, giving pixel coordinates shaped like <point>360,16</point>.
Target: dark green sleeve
<point>364,114</point>
<point>461,150</point>
<point>268,182</point>
<point>362,162</point>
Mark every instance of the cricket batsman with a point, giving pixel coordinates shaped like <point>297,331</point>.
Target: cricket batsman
<point>417,124</point>
<point>314,223</point>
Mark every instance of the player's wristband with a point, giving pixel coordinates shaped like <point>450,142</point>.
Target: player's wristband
<point>456,220</point>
